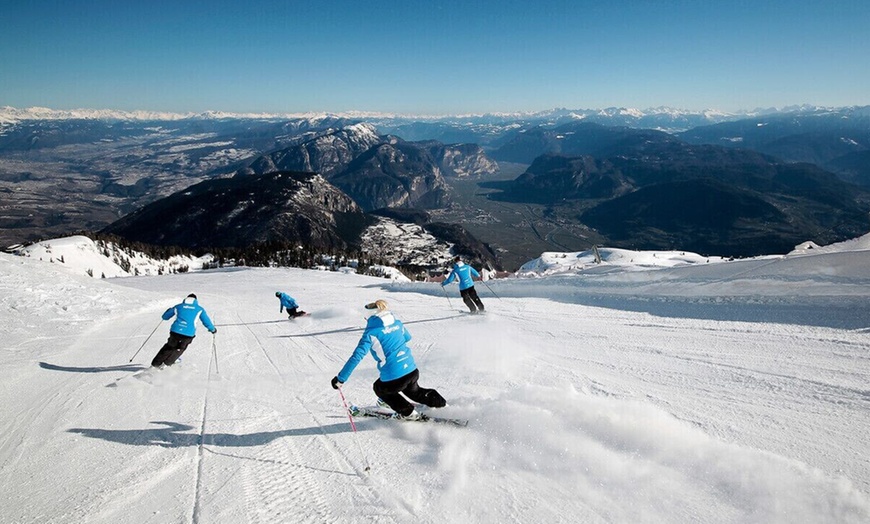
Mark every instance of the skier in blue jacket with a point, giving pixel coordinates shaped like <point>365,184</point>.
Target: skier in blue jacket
<point>466,275</point>
<point>398,372</point>
<point>290,303</point>
<point>182,331</point>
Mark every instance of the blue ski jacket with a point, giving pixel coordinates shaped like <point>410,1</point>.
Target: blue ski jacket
<point>465,273</point>
<point>394,358</point>
<point>287,302</point>
<point>185,315</point>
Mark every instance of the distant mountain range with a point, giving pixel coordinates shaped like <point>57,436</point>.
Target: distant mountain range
<point>642,188</point>
<point>647,118</point>
<point>711,182</point>
<point>837,140</point>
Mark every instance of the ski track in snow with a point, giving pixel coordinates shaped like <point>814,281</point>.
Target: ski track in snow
<point>578,413</point>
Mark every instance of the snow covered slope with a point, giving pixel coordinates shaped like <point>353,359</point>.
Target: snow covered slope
<point>82,255</point>
<point>554,263</point>
<point>695,393</point>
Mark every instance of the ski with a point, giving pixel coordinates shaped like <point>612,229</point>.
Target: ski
<point>358,411</point>
<point>150,375</point>
<point>145,375</point>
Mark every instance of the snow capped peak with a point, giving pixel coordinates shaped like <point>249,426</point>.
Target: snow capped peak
<point>363,128</point>
<point>43,113</point>
<point>631,112</point>
<point>10,114</point>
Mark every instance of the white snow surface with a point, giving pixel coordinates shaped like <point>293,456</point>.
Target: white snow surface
<point>552,263</point>
<point>82,255</point>
<point>705,392</point>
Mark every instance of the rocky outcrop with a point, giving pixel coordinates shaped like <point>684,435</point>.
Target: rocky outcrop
<point>552,178</point>
<point>462,160</point>
<point>277,208</point>
<point>394,175</point>
<point>381,171</point>
<point>326,154</point>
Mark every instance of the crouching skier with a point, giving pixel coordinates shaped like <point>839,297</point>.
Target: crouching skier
<point>290,303</point>
<point>398,372</point>
<point>182,331</point>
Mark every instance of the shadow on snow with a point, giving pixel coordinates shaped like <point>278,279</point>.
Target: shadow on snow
<point>352,329</point>
<point>252,323</point>
<point>173,435</point>
<point>92,369</point>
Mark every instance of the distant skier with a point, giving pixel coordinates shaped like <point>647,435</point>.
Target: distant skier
<point>466,275</point>
<point>290,303</point>
<point>182,331</point>
<point>398,372</point>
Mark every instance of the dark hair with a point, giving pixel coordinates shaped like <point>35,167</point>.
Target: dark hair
<point>191,296</point>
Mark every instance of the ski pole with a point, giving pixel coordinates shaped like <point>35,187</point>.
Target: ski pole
<point>353,427</point>
<point>214,352</point>
<point>146,341</point>
<point>490,289</point>
<point>448,297</point>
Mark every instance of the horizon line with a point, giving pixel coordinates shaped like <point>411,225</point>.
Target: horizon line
<point>48,113</point>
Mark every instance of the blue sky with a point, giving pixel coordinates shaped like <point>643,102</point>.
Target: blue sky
<point>432,57</point>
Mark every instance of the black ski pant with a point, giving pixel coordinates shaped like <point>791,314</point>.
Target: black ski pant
<point>293,313</point>
<point>391,392</point>
<point>173,349</point>
<point>469,296</point>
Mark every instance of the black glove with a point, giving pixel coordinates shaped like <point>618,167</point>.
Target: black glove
<point>336,383</point>
<point>213,331</point>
